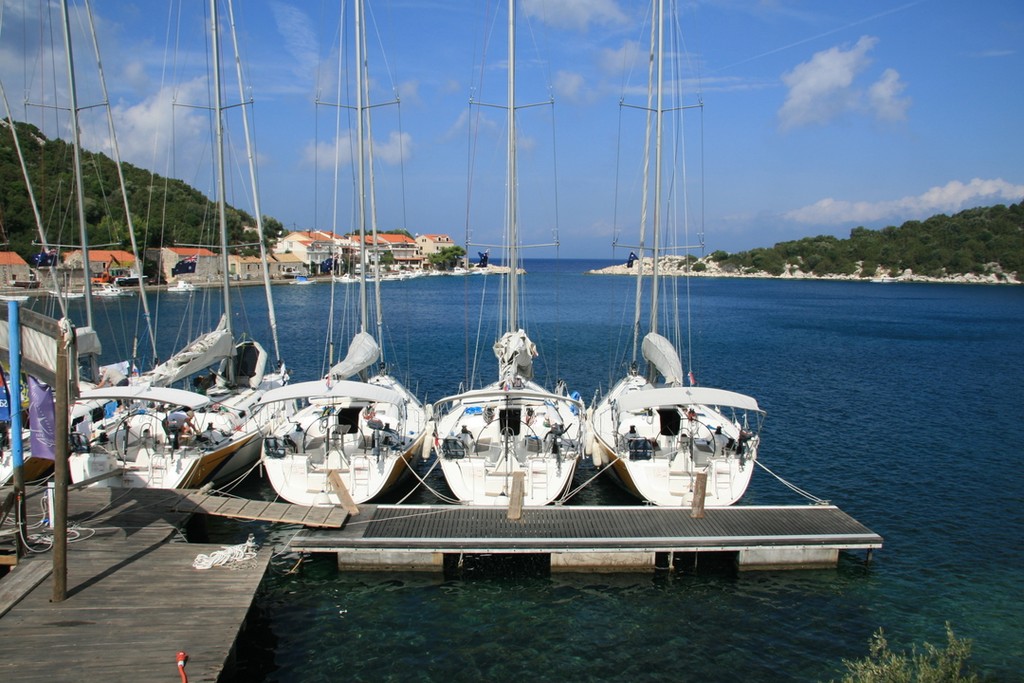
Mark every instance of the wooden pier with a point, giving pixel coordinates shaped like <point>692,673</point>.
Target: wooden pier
<point>598,538</point>
<point>134,599</point>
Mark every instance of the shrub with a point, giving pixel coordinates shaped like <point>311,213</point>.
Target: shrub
<point>931,666</point>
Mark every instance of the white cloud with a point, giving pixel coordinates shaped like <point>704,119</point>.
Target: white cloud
<point>569,85</point>
<point>820,89</point>
<point>884,99</point>
<point>577,14</point>
<point>324,155</point>
<point>627,58</point>
<point>825,87</point>
<point>953,196</point>
<point>300,36</point>
<point>397,148</point>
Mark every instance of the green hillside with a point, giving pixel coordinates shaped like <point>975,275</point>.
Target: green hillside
<point>164,211</point>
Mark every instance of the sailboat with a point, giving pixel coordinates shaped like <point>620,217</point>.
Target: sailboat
<point>659,436</point>
<point>159,437</point>
<point>355,438</point>
<point>512,442</point>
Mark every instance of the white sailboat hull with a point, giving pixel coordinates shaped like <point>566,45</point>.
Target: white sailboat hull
<point>504,439</point>
<point>354,440</point>
<point>657,451</point>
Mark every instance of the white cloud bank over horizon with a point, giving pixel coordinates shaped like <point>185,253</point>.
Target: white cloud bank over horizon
<point>953,196</point>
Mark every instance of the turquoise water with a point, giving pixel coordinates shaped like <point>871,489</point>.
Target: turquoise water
<point>900,403</point>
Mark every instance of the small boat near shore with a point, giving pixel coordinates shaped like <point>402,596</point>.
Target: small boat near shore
<point>182,287</point>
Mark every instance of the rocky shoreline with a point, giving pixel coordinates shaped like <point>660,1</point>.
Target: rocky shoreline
<point>673,266</point>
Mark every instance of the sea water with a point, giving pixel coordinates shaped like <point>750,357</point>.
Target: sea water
<point>900,403</point>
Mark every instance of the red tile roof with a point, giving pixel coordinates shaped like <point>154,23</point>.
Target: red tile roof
<point>10,258</point>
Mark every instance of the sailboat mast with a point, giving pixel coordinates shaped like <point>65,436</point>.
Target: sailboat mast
<point>79,190</point>
<point>271,314</point>
<point>659,110</point>
<point>372,193</point>
<point>513,235</point>
<point>645,195</point>
<point>116,150</point>
<point>221,201</point>
<point>361,187</point>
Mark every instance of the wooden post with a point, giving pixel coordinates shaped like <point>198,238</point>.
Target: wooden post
<point>343,495</point>
<point>700,487</point>
<point>515,498</point>
<point>61,471</point>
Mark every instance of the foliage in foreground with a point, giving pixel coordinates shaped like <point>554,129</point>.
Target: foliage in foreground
<point>931,666</point>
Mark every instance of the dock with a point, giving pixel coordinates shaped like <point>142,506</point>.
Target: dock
<point>134,599</point>
<point>591,538</point>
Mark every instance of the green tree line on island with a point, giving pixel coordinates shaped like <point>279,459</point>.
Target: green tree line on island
<point>165,212</point>
<point>979,241</point>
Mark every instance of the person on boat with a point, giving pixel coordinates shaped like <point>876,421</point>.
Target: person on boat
<point>111,376</point>
<point>466,438</point>
<point>202,383</point>
<point>178,423</point>
<point>721,441</point>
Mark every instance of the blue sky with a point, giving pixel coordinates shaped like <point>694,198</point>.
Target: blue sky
<point>818,117</point>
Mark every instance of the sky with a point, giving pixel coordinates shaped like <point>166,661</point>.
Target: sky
<point>816,117</point>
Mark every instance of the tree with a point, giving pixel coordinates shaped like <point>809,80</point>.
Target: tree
<point>447,258</point>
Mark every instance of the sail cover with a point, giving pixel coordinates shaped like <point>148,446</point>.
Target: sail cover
<point>515,354</point>
<point>659,352</point>
<point>203,352</point>
<point>362,353</point>
<point>685,396</point>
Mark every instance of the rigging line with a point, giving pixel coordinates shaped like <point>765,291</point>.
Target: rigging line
<point>124,191</point>
<point>250,136</point>
<point>558,278</point>
<point>32,200</point>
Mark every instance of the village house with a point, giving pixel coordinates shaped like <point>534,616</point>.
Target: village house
<point>193,264</point>
<point>105,265</point>
<point>245,267</point>
<point>15,271</point>
<point>286,266</point>
<point>403,249</point>
<point>312,247</point>
<point>432,243</point>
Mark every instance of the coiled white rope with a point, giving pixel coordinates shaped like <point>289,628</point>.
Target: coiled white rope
<point>229,553</point>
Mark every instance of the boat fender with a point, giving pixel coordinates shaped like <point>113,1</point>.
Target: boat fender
<point>428,440</point>
<point>588,439</point>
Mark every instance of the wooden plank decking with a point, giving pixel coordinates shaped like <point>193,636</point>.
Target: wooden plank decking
<point>133,597</point>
